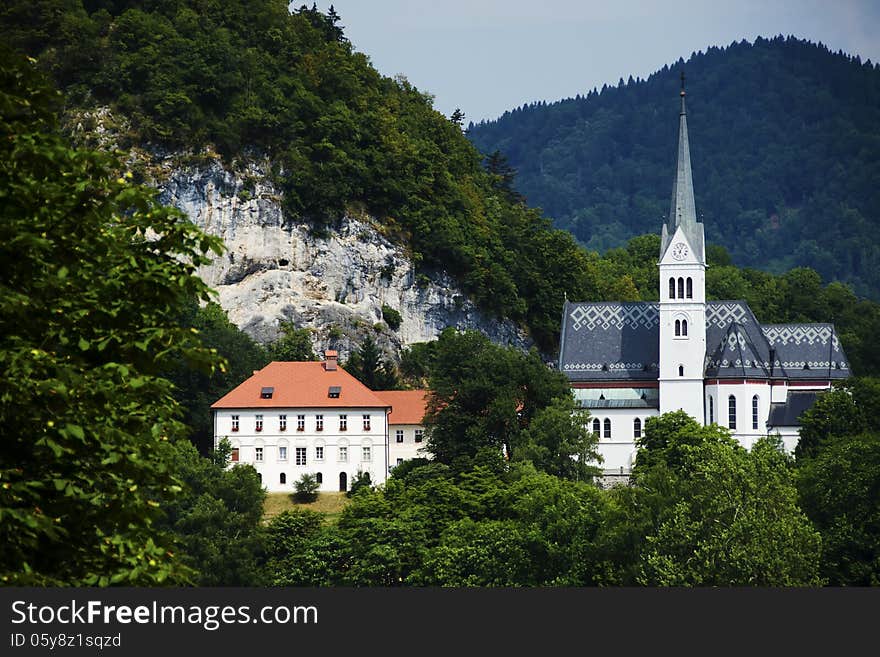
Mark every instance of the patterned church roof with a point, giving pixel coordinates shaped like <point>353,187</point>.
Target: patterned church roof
<point>621,342</point>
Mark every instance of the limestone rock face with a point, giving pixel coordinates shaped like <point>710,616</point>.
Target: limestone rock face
<point>335,283</point>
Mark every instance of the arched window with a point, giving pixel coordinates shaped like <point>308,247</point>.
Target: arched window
<point>677,327</point>
<point>681,288</point>
<point>319,477</point>
<point>282,479</point>
<point>690,288</point>
<point>671,288</point>
<point>597,427</point>
<point>684,327</point>
<point>637,428</point>
<point>731,412</point>
<point>755,412</point>
<point>607,428</point>
<point>711,410</point>
<point>681,370</point>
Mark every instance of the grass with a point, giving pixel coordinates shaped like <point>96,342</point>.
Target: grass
<point>329,504</point>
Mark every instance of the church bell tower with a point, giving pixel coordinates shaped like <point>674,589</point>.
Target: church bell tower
<point>682,292</point>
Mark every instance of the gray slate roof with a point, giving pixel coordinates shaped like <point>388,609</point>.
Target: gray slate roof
<point>621,342</point>
<point>788,413</point>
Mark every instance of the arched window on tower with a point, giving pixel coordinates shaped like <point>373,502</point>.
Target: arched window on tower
<point>677,327</point>
<point>597,427</point>
<point>731,412</point>
<point>637,428</point>
<point>711,410</point>
<point>671,288</point>
<point>690,288</point>
<point>755,412</point>
<point>607,428</point>
<point>681,370</point>
<point>681,288</point>
<point>684,327</point>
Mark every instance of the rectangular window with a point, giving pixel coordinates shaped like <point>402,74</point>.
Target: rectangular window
<point>259,423</point>
<point>235,423</point>
<point>282,423</point>
<point>235,454</point>
<point>367,454</point>
<point>319,453</point>
<point>300,422</point>
<point>258,454</point>
<point>418,437</point>
<point>399,461</point>
<point>282,453</point>
<point>319,423</point>
<point>343,454</point>
<point>366,422</point>
<point>343,423</point>
<point>399,435</point>
<point>300,455</point>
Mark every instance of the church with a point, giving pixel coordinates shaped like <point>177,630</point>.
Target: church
<point>627,362</point>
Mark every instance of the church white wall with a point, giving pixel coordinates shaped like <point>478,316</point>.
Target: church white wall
<point>329,452</point>
<point>746,431</point>
<point>618,450</point>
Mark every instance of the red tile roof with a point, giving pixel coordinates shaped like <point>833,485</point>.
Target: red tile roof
<point>300,385</point>
<point>407,406</point>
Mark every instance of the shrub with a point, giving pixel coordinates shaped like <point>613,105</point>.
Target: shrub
<point>306,488</point>
<point>391,317</point>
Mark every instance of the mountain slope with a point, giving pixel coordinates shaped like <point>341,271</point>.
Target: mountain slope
<point>252,79</point>
<point>785,143</point>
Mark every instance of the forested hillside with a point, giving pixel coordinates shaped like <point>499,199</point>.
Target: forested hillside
<point>785,147</point>
<point>250,76</point>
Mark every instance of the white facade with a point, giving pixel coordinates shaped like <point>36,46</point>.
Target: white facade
<point>405,442</point>
<point>332,443</point>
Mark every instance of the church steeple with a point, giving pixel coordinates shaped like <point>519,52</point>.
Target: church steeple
<point>682,211</point>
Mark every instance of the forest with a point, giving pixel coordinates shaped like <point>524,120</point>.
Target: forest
<point>112,349</point>
<point>784,146</point>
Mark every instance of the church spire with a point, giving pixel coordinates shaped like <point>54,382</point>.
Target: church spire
<point>682,210</point>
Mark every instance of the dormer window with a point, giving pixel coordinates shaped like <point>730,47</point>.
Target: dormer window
<point>266,393</point>
<point>334,391</point>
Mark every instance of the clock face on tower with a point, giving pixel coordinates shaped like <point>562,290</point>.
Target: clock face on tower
<point>679,250</point>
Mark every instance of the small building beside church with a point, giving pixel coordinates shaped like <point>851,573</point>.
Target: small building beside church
<point>627,362</point>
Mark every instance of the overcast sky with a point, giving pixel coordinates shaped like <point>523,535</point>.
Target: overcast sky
<point>488,56</point>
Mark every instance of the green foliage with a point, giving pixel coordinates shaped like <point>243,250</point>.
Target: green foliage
<point>360,481</point>
<point>369,366</point>
<point>558,442</point>
<point>93,273</point>
<point>391,317</point>
<point>851,408</point>
<point>196,390</point>
<point>703,511</point>
<point>483,396</point>
<point>783,134</point>
<point>490,525</point>
<point>306,488</point>
<point>217,518</point>
<point>840,492</point>
<point>293,345</point>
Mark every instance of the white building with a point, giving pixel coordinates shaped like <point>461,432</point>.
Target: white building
<point>630,361</point>
<point>406,430</point>
<point>292,418</point>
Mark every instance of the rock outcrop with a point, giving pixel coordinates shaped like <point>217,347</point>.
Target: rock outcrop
<point>335,282</point>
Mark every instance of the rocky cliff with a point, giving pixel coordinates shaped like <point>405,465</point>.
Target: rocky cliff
<point>334,282</point>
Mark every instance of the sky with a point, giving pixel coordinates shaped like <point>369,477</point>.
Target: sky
<point>489,56</point>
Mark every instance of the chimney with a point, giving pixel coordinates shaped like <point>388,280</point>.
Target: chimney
<point>330,356</point>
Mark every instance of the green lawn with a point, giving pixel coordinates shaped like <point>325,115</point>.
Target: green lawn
<point>330,504</point>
